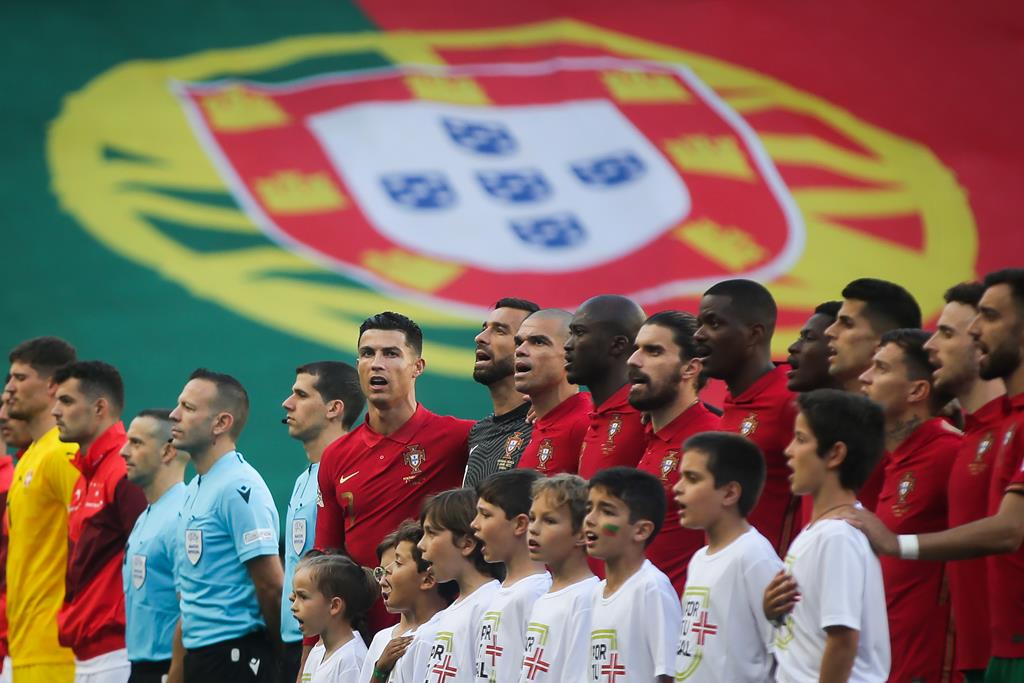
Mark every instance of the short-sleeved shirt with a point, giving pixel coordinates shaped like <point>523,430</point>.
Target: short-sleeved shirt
<point>725,635</point>
<point>969,483</point>
<point>557,437</point>
<point>499,654</point>
<point>558,634</point>
<point>615,435</point>
<point>299,529</point>
<point>227,519</point>
<point>151,605</point>
<point>496,443</point>
<point>671,549</point>
<point>341,667</point>
<point>765,414</point>
<point>37,552</point>
<point>840,583</point>
<point>634,631</point>
<point>411,667</point>
<point>451,655</point>
<point>1006,589</point>
<point>914,500</point>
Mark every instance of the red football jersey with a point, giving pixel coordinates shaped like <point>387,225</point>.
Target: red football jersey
<point>672,548</point>
<point>1005,572</point>
<point>555,443</point>
<point>913,501</point>
<point>615,436</point>
<point>968,500</point>
<point>765,414</point>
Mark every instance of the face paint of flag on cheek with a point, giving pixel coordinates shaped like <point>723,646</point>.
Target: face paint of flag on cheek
<point>609,529</point>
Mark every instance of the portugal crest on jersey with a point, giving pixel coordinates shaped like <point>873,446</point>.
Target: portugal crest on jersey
<point>414,457</point>
<point>903,491</point>
<point>544,454</point>
<point>669,464</point>
<point>614,427</point>
<point>749,425</point>
<point>978,465</point>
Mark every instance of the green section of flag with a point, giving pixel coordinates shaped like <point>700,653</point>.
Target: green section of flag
<point>58,280</point>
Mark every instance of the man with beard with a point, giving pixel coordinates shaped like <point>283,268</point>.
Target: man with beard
<point>324,403</point>
<point>601,336</point>
<point>497,441</point>
<point>37,515</point>
<point>377,477</point>
<point>809,355</point>
<point>737,320</point>
<point>562,411</point>
<point>998,331</point>
<point>920,449</point>
<point>665,376</point>
<point>953,353</point>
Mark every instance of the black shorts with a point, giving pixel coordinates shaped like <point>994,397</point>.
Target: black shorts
<point>288,665</point>
<point>149,672</point>
<point>249,659</point>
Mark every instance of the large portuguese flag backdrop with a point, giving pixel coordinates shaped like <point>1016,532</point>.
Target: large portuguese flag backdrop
<point>237,185</point>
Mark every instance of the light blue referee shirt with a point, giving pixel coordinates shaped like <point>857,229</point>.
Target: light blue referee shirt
<point>228,518</point>
<point>150,602</point>
<point>299,530</point>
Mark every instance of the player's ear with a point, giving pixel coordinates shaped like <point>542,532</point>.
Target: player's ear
<point>835,456</point>
<point>642,530</point>
<point>427,581</point>
<point>732,492</point>
<point>466,544</point>
<point>336,606</point>
<point>920,390</point>
<point>335,409</point>
<point>521,524</point>
<point>421,365</point>
<point>621,346</point>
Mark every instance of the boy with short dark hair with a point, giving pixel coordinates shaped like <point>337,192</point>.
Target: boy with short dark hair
<point>501,523</point>
<point>724,635</point>
<point>636,617</point>
<point>834,626</point>
<point>558,630</point>
<point>455,554</point>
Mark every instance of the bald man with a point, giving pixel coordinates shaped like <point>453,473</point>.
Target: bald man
<point>737,321</point>
<point>601,336</point>
<point>562,412</point>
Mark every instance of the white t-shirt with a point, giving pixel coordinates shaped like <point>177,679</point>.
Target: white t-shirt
<point>341,667</point>
<point>840,583</point>
<point>558,634</point>
<point>452,652</point>
<point>411,667</point>
<point>377,645</point>
<point>502,634</point>
<point>633,633</point>
<point>725,636</point>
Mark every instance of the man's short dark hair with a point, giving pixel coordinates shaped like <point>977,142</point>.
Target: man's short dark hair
<point>731,457</point>
<point>231,397</point>
<point>683,326</point>
<point>852,419</point>
<point>44,354</point>
<point>410,531</point>
<point>829,309</point>
<point>389,320</point>
<point>518,304</point>
<point>966,293</point>
<point>915,358</point>
<point>750,300</point>
<point>888,306</point>
<point>337,381</point>
<point>641,492</point>
<point>1014,279</point>
<point>96,379</point>
<point>454,510</point>
<point>511,490</point>
<point>162,414</point>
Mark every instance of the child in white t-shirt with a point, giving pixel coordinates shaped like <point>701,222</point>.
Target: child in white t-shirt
<point>454,554</point>
<point>725,636</point>
<point>830,606</point>
<point>330,593</point>
<point>635,619</point>
<point>501,524</point>
<point>558,630</point>
<point>408,589</point>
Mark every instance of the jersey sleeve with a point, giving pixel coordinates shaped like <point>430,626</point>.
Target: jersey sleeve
<point>129,501</point>
<point>251,519</point>
<point>755,579</point>
<point>842,562</point>
<point>61,476</point>
<point>1016,483</point>
<point>330,518</point>
<point>664,622</point>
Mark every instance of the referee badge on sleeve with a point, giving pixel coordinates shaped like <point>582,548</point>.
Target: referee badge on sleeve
<point>138,571</point>
<point>193,545</point>
<point>298,535</point>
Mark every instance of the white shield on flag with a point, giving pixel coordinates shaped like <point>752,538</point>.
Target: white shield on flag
<point>298,535</point>
<point>139,571</point>
<point>193,544</point>
<point>482,187</point>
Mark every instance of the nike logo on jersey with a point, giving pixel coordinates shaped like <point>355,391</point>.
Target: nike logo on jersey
<point>346,477</point>
<point>244,492</point>
<point>473,449</point>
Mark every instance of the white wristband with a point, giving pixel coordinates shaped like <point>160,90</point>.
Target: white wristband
<point>909,547</point>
